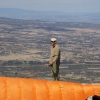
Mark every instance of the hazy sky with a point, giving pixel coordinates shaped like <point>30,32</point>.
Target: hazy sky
<point>53,5</point>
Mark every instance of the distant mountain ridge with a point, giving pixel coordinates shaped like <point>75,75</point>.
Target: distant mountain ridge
<point>15,12</point>
<point>49,15</point>
<point>19,11</point>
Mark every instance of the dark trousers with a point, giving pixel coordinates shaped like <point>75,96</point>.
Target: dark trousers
<point>55,71</point>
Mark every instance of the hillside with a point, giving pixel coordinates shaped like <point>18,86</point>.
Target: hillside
<point>25,45</point>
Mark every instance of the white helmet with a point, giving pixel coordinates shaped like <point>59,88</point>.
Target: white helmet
<point>89,98</point>
<point>53,39</point>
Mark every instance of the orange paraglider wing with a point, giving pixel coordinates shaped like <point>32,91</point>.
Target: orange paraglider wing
<point>34,89</point>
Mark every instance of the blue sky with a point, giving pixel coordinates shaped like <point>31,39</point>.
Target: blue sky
<point>53,5</point>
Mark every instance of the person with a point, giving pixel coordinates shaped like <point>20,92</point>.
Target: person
<point>55,59</point>
<point>94,97</point>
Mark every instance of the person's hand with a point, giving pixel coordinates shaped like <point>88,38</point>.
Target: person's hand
<point>51,63</point>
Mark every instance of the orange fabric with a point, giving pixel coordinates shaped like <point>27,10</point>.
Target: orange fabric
<point>33,89</point>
